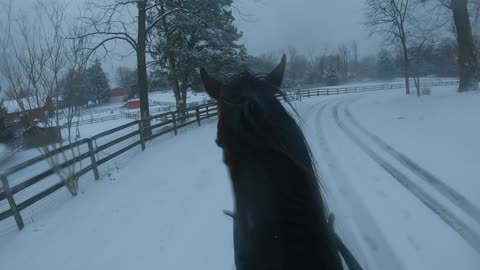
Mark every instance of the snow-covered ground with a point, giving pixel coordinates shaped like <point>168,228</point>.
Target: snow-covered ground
<point>390,223</point>
<point>170,97</point>
<point>90,129</point>
<point>150,212</point>
<point>441,131</point>
<point>4,151</point>
<point>158,102</point>
<point>166,204</point>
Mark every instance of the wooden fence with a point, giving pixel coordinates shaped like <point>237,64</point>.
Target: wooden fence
<point>169,122</point>
<point>132,115</point>
<point>327,91</point>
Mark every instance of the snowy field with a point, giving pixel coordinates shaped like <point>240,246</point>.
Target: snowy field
<point>170,97</point>
<point>158,101</point>
<point>399,173</point>
<point>90,129</point>
<point>4,152</point>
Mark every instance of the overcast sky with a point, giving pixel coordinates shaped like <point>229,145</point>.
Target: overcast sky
<point>275,25</point>
<point>304,24</point>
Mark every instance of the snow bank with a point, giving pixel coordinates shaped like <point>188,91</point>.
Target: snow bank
<point>4,151</point>
<point>170,97</point>
<point>440,131</point>
<point>152,214</point>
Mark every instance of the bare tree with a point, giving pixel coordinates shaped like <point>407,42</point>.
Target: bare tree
<point>24,59</point>
<point>467,59</point>
<point>461,26</point>
<point>297,66</point>
<point>354,49</point>
<point>391,18</point>
<point>34,55</point>
<point>344,54</point>
<point>113,20</point>
<point>123,76</point>
<point>418,51</point>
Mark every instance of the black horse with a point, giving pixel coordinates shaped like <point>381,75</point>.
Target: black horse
<point>280,220</point>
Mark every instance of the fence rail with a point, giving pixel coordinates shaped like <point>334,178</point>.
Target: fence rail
<point>167,107</point>
<point>338,90</point>
<point>160,124</point>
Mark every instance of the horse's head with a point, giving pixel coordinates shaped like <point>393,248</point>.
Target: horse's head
<point>279,219</point>
<point>245,106</point>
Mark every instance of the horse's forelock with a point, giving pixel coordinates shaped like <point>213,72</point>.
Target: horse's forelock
<point>270,124</point>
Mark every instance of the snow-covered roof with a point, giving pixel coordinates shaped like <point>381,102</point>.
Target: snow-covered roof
<point>30,103</point>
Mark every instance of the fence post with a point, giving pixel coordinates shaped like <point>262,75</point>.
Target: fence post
<point>197,112</point>
<point>174,120</point>
<point>208,115</point>
<point>337,91</point>
<point>142,136</point>
<point>318,92</point>
<point>11,201</point>
<point>92,158</point>
<point>308,93</point>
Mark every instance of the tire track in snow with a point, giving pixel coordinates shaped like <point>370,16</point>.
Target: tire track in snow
<point>367,228</point>
<point>462,229</point>
<point>448,192</point>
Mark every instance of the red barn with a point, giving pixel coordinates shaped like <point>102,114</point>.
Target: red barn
<point>34,110</point>
<point>118,94</point>
<point>133,104</point>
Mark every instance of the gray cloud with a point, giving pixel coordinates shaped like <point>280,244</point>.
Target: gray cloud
<point>304,24</point>
<point>277,25</point>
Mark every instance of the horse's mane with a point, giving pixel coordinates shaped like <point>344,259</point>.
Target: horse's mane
<point>280,130</point>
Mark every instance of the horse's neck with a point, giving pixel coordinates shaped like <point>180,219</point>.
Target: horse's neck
<point>263,185</point>
<point>279,219</point>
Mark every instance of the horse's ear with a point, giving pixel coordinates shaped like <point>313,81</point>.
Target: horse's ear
<point>276,76</point>
<point>212,85</point>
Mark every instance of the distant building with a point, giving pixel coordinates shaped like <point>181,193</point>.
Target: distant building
<point>35,110</point>
<point>118,94</point>
<point>133,104</point>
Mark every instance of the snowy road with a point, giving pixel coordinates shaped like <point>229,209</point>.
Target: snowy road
<point>164,209</point>
<point>439,208</point>
<point>421,223</point>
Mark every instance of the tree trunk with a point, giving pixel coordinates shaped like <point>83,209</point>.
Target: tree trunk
<point>173,66</point>
<point>406,66</point>
<point>182,105</point>
<point>177,91</point>
<point>142,67</point>
<point>467,61</point>
<point>416,79</point>
<point>175,81</point>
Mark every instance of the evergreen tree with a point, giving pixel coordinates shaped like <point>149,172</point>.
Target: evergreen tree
<point>385,66</point>
<point>132,85</point>
<point>331,75</point>
<point>74,87</point>
<point>100,89</point>
<point>208,39</point>
<point>3,111</point>
<point>6,133</point>
<point>127,78</point>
